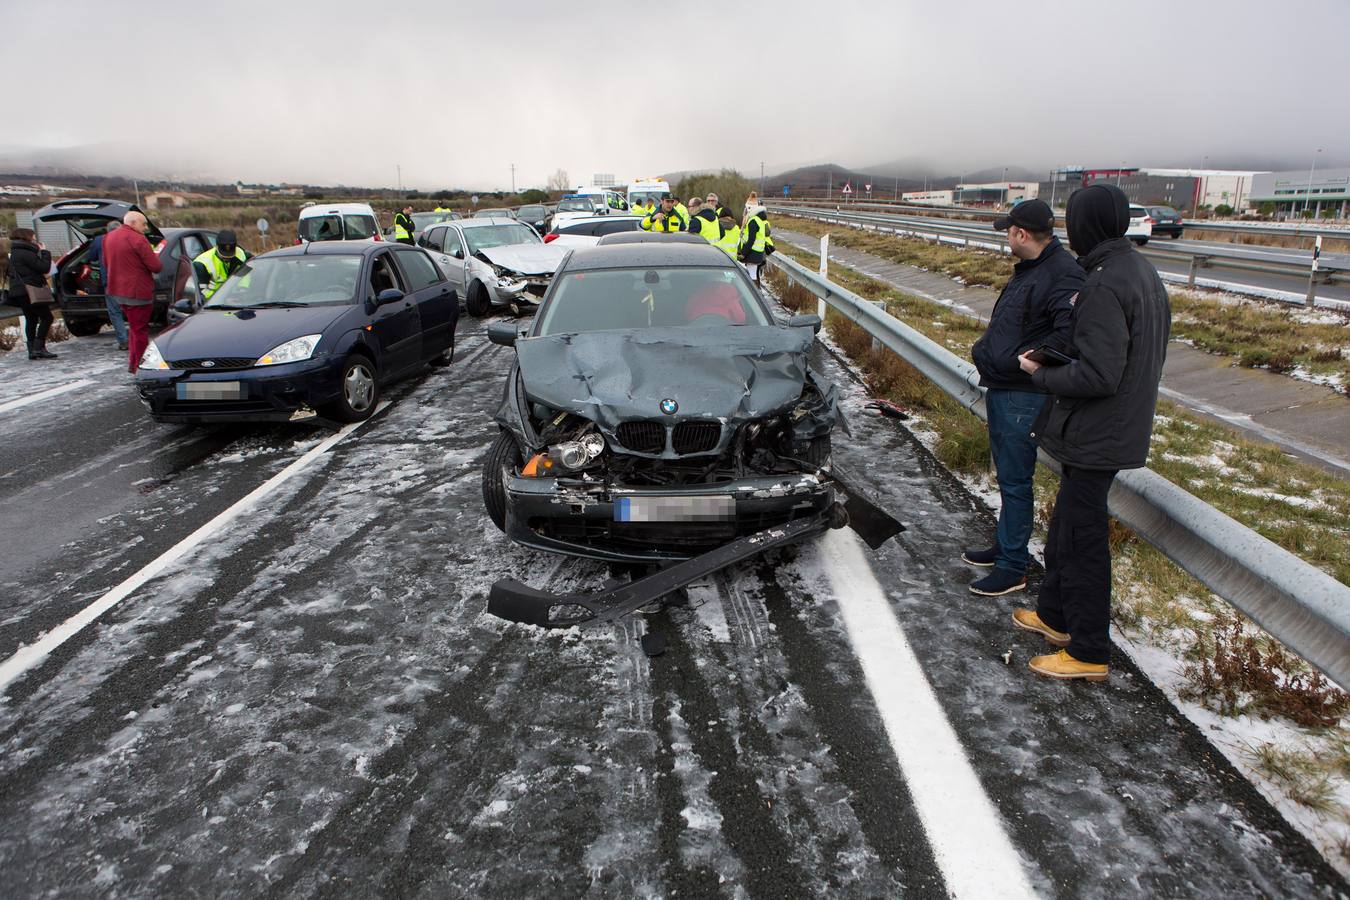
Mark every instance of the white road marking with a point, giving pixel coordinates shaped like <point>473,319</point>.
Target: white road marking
<point>964,829</point>
<point>45,395</point>
<point>32,655</point>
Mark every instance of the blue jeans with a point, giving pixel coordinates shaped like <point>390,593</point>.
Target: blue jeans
<point>119,321</point>
<point>1011,415</point>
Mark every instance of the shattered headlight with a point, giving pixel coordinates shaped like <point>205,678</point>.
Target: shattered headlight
<point>575,454</point>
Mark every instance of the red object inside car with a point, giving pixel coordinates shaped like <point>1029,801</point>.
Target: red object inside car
<point>716,300</point>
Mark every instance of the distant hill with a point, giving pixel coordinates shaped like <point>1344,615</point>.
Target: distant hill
<point>820,178</point>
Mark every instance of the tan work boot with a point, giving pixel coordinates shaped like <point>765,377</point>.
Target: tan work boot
<point>1027,620</point>
<point>1062,665</point>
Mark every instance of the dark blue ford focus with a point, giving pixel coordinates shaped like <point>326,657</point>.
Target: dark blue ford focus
<point>317,328</point>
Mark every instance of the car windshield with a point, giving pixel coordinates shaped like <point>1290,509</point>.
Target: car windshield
<point>497,213</point>
<point>532,212</point>
<point>290,281</point>
<point>1164,211</point>
<point>334,227</point>
<point>499,236</point>
<point>423,219</point>
<point>624,299</point>
<point>575,205</point>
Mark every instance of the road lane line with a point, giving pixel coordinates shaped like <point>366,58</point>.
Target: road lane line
<point>45,395</point>
<point>963,827</point>
<point>31,655</point>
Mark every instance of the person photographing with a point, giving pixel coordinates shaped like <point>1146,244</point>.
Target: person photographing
<point>1098,421</point>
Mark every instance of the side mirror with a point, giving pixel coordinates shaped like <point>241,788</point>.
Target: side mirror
<point>811,321</point>
<point>503,333</point>
<point>457,254</point>
<point>387,296</point>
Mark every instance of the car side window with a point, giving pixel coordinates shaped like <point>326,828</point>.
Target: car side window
<point>432,238</point>
<point>453,245</point>
<point>419,268</point>
<point>192,246</point>
<point>615,227</point>
<point>383,275</point>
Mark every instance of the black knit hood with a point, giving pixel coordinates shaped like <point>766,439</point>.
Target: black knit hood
<point>1097,213</point>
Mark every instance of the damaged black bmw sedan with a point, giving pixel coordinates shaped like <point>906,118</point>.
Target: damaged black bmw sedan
<point>656,410</point>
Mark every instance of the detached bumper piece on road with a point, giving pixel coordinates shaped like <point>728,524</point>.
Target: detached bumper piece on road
<point>516,602</point>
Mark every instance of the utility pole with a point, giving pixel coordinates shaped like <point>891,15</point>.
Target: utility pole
<point>400,177</point>
<point>1308,196</point>
<point>897,189</point>
<point>513,178</point>
<point>761,179</point>
<point>829,188</point>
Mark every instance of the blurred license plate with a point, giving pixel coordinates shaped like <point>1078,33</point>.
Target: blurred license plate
<point>210,390</point>
<point>719,508</point>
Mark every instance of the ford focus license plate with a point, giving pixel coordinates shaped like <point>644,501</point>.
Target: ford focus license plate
<point>717,508</point>
<point>210,390</point>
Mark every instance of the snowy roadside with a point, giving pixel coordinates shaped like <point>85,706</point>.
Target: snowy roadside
<point>1244,739</point>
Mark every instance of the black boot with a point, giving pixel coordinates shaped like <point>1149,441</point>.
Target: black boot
<point>42,352</point>
<point>33,350</point>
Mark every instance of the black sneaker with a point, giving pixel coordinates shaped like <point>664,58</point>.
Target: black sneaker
<point>999,582</point>
<point>980,557</point>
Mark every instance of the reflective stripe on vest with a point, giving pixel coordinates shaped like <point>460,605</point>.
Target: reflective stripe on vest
<point>403,227</point>
<point>215,267</point>
<point>730,240</point>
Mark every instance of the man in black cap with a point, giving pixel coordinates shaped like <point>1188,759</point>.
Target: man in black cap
<point>1099,420</point>
<point>218,263</point>
<point>1033,310</point>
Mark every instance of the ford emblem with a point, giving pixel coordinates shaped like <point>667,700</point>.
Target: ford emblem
<point>206,364</point>
<point>669,406</point>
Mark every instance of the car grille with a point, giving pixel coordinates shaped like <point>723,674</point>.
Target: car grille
<point>642,437</point>
<point>669,537</point>
<point>696,437</point>
<point>217,363</point>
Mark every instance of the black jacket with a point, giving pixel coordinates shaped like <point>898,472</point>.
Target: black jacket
<point>27,265</point>
<point>748,237</point>
<point>1034,308</point>
<point>1102,413</point>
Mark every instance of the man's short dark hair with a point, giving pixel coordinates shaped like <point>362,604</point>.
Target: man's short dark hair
<point>1040,234</point>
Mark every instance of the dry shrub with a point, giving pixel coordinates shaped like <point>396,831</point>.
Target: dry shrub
<point>8,339</point>
<point>1236,675</point>
<point>58,332</point>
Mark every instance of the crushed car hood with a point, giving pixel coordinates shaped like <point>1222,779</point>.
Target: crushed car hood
<point>733,373</point>
<point>527,259</point>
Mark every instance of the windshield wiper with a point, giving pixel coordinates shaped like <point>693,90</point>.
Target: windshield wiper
<point>277,304</point>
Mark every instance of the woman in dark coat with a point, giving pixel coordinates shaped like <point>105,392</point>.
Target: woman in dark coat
<point>29,263</point>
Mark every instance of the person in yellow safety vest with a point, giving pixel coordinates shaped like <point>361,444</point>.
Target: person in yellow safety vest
<point>681,209</point>
<point>715,205</point>
<point>752,240</point>
<point>403,226</point>
<point>730,241</point>
<point>643,207</point>
<point>666,219</point>
<point>703,222</point>
<point>217,264</point>
<point>442,209</point>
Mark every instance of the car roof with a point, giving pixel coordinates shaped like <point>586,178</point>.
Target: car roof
<point>648,254</point>
<point>340,208</point>
<point>332,248</point>
<point>601,217</point>
<point>487,220</point>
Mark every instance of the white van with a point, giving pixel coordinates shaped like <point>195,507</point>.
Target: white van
<point>603,200</point>
<point>338,222</point>
<point>647,189</point>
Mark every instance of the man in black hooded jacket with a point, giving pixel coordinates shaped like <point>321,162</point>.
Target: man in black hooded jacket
<point>1099,421</point>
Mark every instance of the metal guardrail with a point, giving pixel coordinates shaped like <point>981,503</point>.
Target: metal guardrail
<point>1297,603</point>
<point>1300,230</point>
<point>1241,258</point>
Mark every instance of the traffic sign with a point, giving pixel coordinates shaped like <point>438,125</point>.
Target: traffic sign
<point>848,189</point>
<point>786,188</point>
<point>474,199</point>
<point>262,226</point>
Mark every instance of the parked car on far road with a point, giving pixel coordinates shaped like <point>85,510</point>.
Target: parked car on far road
<point>495,212</point>
<point>338,222</point>
<point>534,215</point>
<point>1166,220</point>
<point>1141,225</point>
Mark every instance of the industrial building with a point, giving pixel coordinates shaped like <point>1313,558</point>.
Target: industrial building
<point>1182,189</point>
<point>998,193</point>
<point>1324,194</point>
<point>930,198</point>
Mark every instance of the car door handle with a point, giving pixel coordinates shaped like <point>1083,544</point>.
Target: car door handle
<point>407,304</point>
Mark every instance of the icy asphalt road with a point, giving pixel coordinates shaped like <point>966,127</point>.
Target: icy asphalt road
<point>313,702</point>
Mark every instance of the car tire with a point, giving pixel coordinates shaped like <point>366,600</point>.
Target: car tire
<point>359,390</point>
<point>478,304</point>
<point>504,452</point>
<point>444,358</point>
<point>81,327</point>
<point>818,451</point>
<point>1175,235</point>
<point>1140,241</point>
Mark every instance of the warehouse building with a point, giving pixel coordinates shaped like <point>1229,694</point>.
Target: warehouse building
<point>1319,195</point>
<point>1182,189</point>
<point>998,193</point>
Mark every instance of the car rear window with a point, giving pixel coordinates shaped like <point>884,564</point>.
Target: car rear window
<point>575,206</point>
<point>334,227</point>
<point>532,212</point>
<point>630,299</point>
<point>308,280</point>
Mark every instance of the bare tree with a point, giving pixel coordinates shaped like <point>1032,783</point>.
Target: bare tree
<point>559,182</point>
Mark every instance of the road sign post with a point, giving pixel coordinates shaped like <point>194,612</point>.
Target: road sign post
<point>1312,272</point>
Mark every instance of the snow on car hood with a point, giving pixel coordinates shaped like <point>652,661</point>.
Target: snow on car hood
<point>735,373</point>
<point>527,259</point>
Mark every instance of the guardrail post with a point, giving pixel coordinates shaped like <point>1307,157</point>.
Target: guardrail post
<point>881,306</point>
<point>1312,272</point>
<point>824,272</point>
<point>1190,275</point>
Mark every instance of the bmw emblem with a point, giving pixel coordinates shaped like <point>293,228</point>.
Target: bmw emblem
<point>669,407</point>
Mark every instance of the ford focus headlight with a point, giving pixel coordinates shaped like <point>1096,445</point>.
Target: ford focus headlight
<point>152,358</point>
<point>301,348</point>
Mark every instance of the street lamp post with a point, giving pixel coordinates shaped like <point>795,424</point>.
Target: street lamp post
<point>1307,197</point>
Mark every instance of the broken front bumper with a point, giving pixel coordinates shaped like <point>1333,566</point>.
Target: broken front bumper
<point>654,524</point>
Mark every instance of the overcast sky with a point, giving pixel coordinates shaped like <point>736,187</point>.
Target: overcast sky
<point>331,91</point>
